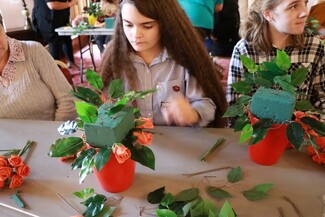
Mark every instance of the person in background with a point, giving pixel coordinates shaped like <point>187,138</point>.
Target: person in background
<point>31,84</point>
<point>155,46</point>
<point>201,14</point>
<point>225,33</point>
<point>49,15</point>
<point>279,24</point>
<point>109,9</point>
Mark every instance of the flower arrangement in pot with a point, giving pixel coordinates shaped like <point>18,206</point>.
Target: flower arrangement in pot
<point>94,11</point>
<point>270,111</point>
<point>115,135</point>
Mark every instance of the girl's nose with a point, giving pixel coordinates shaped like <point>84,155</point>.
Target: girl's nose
<point>137,32</point>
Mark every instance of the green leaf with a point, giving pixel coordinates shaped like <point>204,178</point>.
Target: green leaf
<point>317,126</point>
<point>116,88</point>
<point>304,105</point>
<point>102,158</point>
<point>243,100</point>
<point>165,213</point>
<point>258,135</point>
<point>282,60</point>
<point>263,82</point>
<point>258,192</point>
<point>285,84</point>
<point>298,76</point>
<point>187,195</point>
<point>240,123</point>
<point>167,200</point>
<point>248,63</point>
<point>226,210</point>
<point>203,208</point>
<point>87,95</point>
<point>295,134</point>
<point>246,133</point>
<point>234,111</point>
<point>94,204</point>
<point>156,195</point>
<point>81,156</point>
<point>241,87</point>
<point>269,70</point>
<point>65,147</point>
<point>217,193</point>
<point>115,109</point>
<point>87,112</point>
<point>143,155</point>
<point>87,165</point>
<point>107,211</point>
<point>84,193</point>
<point>94,79</point>
<point>235,175</point>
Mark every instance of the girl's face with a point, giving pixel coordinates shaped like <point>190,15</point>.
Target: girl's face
<point>288,17</point>
<point>4,48</point>
<point>142,32</point>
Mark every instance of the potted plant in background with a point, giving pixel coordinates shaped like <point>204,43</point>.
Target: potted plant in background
<point>272,118</point>
<point>115,135</point>
<point>94,11</point>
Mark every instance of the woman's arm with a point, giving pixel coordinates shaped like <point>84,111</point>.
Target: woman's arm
<point>56,5</point>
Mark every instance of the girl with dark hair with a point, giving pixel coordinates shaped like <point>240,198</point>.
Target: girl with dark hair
<point>279,24</point>
<point>155,46</point>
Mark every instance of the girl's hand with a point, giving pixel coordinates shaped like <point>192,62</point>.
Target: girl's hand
<point>180,112</point>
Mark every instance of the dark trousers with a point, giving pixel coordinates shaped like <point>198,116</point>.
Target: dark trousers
<point>63,43</point>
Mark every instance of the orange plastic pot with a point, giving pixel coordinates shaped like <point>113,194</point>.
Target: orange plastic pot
<point>115,177</point>
<point>268,151</point>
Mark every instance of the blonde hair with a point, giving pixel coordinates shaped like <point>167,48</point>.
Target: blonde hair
<point>256,28</point>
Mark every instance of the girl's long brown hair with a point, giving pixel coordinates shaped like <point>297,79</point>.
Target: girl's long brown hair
<point>180,39</point>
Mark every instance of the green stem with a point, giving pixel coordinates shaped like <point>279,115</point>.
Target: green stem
<point>213,148</point>
<point>26,147</point>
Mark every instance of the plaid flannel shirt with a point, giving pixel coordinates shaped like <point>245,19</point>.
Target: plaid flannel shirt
<point>311,56</point>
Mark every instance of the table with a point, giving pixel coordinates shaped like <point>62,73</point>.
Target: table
<point>177,151</point>
<point>69,31</point>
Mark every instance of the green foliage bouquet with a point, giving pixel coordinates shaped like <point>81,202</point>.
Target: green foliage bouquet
<point>273,75</point>
<point>112,128</point>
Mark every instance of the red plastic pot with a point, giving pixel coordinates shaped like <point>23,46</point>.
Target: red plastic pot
<point>268,151</point>
<point>115,177</point>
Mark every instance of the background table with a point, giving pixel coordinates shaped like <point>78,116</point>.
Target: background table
<point>177,151</point>
<point>69,31</point>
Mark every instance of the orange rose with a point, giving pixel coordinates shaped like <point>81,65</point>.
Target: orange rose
<point>15,160</point>
<point>321,142</point>
<point>320,158</point>
<point>121,152</point>
<point>5,173</point>
<point>144,138</point>
<point>3,161</point>
<point>147,123</point>
<point>2,184</point>
<point>23,170</point>
<point>16,181</point>
<point>310,150</point>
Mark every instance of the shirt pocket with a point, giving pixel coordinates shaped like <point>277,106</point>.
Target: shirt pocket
<point>168,88</point>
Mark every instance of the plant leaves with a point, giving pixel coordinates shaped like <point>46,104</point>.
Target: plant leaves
<point>167,200</point>
<point>65,147</point>
<point>203,208</point>
<point>258,135</point>
<point>107,211</point>
<point>298,76</point>
<point>187,195</point>
<point>116,88</point>
<point>87,95</point>
<point>263,82</point>
<point>226,210</point>
<point>241,87</point>
<point>282,60</point>
<point>234,111</point>
<point>94,79</point>
<point>87,165</point>
<point>217,193</point>
<point>317,126</point>
<point>246,133</point>
<point>285,85</point>
<point>156,195</point>
<point>87,112</point>
<point>143,155</point>
<point>102,158</point>
<point>84,193</point>
<point>258,192</point>
<point>165,213</point>
<point>295,134</point>
<point>248,63</point>
<point>94,204</point>
<point>304,105</point>
<point>240,123</point>
<point>235,175</point>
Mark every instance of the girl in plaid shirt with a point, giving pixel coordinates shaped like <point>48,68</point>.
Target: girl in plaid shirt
<point>279,24</point>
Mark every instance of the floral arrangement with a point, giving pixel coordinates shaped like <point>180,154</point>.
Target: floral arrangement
<point>93,110</point>
<point>13,169</point>
<point>94,9</point>
<point>304,129</point>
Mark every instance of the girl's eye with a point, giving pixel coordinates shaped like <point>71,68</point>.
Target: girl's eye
<point>148,26</point>
<point>128,25</point>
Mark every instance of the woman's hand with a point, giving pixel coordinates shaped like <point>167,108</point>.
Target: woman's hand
<point>179,112</point>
